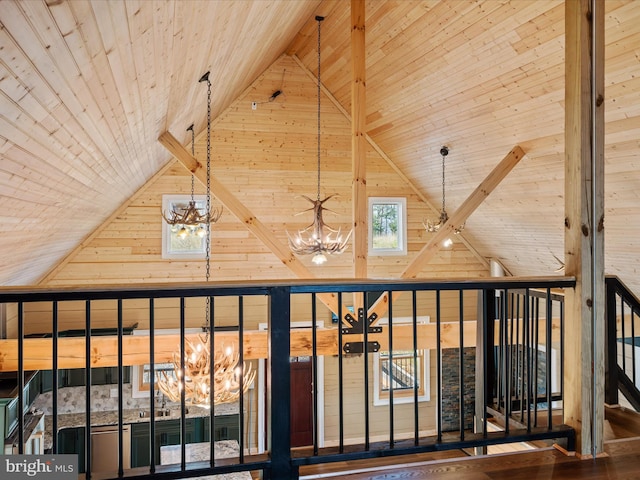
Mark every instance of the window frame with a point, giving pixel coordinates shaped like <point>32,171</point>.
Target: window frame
<point>401,249</point>
<point>382,399</point>
<point>140,388</point>
<point>168,201</point>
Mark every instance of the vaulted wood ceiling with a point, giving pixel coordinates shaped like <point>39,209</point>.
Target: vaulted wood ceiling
<point>87,87</point>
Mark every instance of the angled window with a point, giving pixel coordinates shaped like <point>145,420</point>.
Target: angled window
<point>387,226</point>
<point>173,244</point>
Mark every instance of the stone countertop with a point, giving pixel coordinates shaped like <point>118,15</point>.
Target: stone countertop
<point>198,452</point>
<point>129,416</point>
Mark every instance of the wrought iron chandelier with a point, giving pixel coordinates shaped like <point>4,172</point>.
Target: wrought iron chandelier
<point>433,227</point>
<point>318,238</point>
<point>192,369</point>
<point>190,220</point>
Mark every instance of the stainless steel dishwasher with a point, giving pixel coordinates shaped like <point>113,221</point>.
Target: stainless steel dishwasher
<point>104,448</point>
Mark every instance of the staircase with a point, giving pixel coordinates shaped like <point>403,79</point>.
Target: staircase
<point>623,344</point>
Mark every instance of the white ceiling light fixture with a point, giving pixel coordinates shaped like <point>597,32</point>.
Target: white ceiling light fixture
<point>318,239</point>
<point>433,227</point>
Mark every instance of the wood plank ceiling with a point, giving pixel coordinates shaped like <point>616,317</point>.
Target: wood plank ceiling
<point>87,87</point>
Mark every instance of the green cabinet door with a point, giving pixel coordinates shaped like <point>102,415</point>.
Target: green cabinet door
<point>70,441</point>
<point>140,445</point>
<point>167,432</point>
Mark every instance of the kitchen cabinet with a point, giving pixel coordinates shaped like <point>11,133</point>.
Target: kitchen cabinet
<point>71,441</point>
<point>8,416</point>
<point>74,377</point>
<point>226,427</point>
<point>9,399</point>
<point>167,432</point>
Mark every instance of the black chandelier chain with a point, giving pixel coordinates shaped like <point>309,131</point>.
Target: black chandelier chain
<point>193,154</point>
<point>443,151</point>
<point>205,78</point>
<point>319,20</point>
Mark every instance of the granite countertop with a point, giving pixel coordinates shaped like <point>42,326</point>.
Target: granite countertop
<point>129,416</point>
<point>198,452</point>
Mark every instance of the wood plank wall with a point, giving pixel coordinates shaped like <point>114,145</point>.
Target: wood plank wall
<point>267,158</point>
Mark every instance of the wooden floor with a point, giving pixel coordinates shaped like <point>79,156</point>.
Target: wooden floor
<point>622,461</point>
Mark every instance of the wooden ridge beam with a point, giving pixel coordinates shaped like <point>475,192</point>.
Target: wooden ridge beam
<point>250,221</point>
<point>458,218</point>
<point>135,348</point>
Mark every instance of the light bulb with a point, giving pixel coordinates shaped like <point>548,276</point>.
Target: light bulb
<point>319,258</point>
<point>447,243</point>
<point>202,231</point>
<point>183,232</point>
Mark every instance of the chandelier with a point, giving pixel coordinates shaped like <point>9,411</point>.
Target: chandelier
<point>190,220</point>
<point>192,368</point>
<point>433,227</point>
<point>318,238</point>
<point>196,381</point>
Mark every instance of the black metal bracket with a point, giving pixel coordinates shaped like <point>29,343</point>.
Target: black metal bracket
<point>357,325</point>
<point>357,328</point>
<point>358,347</point>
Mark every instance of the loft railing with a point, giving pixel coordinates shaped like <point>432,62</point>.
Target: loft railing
<point>491,343</point>
<point>529,356</point>
<point>623,342</point>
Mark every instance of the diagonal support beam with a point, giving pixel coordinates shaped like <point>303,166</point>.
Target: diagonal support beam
<point>237,208</point>
<point>459,217</point>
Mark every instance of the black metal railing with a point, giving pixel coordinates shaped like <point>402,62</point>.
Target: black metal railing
<point>529,356</point>
<point>621,354</point>
<point>493,358</point>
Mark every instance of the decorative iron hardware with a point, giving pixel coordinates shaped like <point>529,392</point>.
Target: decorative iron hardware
<point>357,328</point>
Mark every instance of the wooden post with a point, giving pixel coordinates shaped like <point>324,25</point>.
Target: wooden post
<point>584,223</point>
<point>358,140</point>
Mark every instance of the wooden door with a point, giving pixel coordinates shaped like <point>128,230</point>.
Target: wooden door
<point>301,401</point>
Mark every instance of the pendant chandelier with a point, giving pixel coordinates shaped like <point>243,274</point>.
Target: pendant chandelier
<point>194,380</point>
<point>318,239</point>
<point>433,227</point>
<point>190,220</point>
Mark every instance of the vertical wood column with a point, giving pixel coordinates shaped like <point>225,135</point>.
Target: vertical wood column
<point>584,223</point>
<point>358,140</point>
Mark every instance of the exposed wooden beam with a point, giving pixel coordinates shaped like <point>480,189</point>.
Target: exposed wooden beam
<point>250,221</point>
<point>135,348</point>
<point>584,223</point>
<point>459,217</point>
<point>358,141</point>
<point>463,212</point>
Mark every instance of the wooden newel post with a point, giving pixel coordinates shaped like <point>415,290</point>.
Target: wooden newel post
<point>584,223</point>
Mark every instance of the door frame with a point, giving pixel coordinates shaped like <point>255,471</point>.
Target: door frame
<point>262,385</point>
